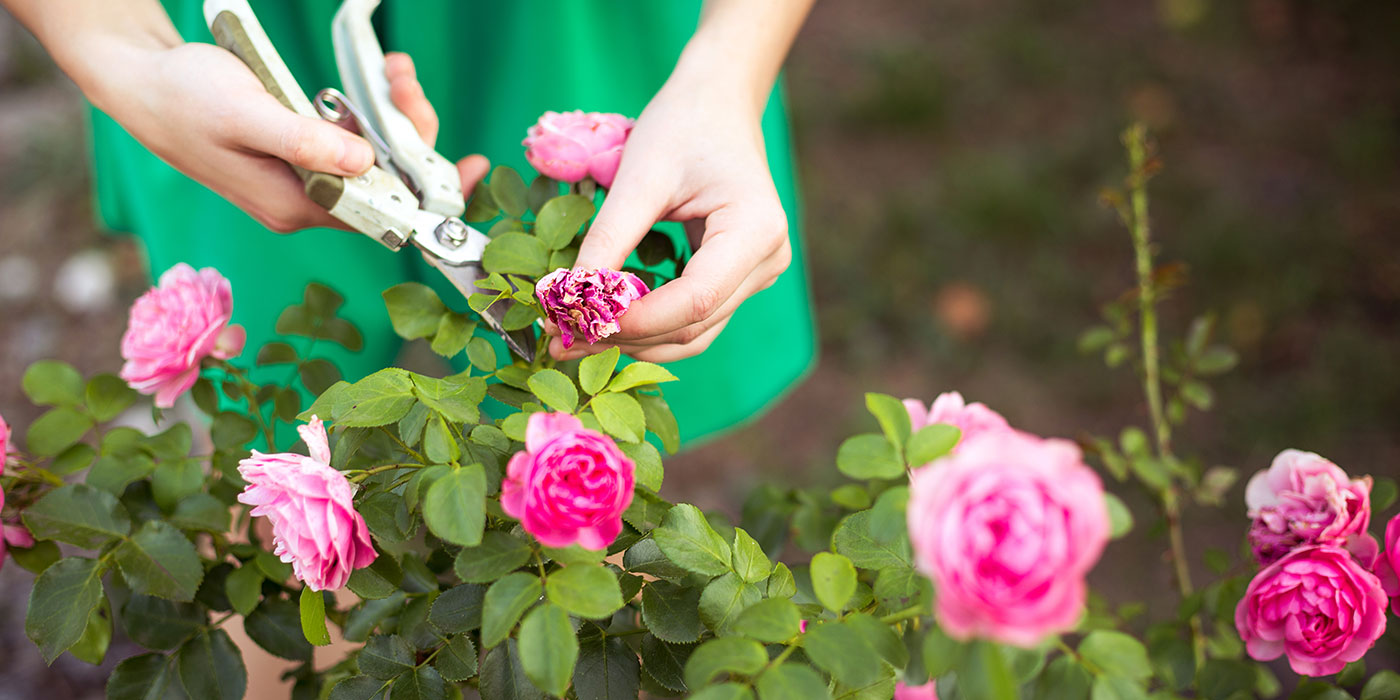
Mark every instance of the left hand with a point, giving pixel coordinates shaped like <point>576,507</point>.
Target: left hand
<point>696,155</point>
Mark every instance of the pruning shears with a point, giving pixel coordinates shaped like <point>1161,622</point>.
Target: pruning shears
<point>412,195</point>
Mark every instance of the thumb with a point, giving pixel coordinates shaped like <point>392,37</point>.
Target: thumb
<point>629,211</point>
<point>311,143</point>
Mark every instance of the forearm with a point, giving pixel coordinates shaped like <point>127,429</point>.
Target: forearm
<point>741,44</point>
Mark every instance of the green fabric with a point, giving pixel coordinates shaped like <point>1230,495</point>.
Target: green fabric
<point>490,69</point>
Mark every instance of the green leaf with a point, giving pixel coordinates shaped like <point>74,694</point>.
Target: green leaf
<point>588,591</point>
<point>61,602</point>
<point>1117,688</point>
<point>508,190</point>
<point>97,636</point>
<point>724,691</point>
<point>455,399</point>
<point>941,653</point>
<point>277,353</point>
<point>781,583</point>
<point>833,580</point>
<point>201,511</point>
<point>276,626</point>
<point>733,655</point>
<point>1216,360</point>
<point>386,656</point>
<point>174,480</point>
<point>37,558</point>
<point>211,667</point>
<point>1064,679</point>
<point>1116,654</point>
<point>481,354</point>
<point>879,636</point>
<point>792,681</point>
<point>457,661</point>
<point>853,540</point>
<point>662,421</point>
<point>52,383</point>
<point>1120,519</point>
<point>455,507</point>
<point>516,253</point>
<point>503,677</point>
<point>108,395</point>
<point>931,442</point>
<point>649,472</point>
<point>1385,685</point>
<point>360,688</point>
<point>454,331</point>
<point>158,560</point>
<point>639,374</point>
<point>645,557</point>
<point>73,459</point>
<point>542,189</point>
<point>888,517</point>
<point>841,652</point>
<point>156,623</point>
<point>498,554</point>
<point>506,600</point>
<point>379,399</point>
<point>750,562</point>
<point>1383,493</point>
<point>724,599</point>
<point>670,611</point>
<point>56,431</point>
<point>1219,679</point>
<point>560,219</point>
<point>318,375</point>
<point>423,684</point>
<point>458,609</point>
<point>439,443</point>
<point>869,456</point>
<point>141,677</point>
<point>380,579</point>
<point>607,670</point>
<point>595,370</point>
<point>687,539</point>
<point>892,416</point>
<point>555,389</point>
<point>983,674</point>
<point>414,309</point>
<point>78,514</point>
<point>275,569</point>
<point>313,617</point>
<point>620,415</point>
<point>244,588</point>
<point>773,620</point>
<point>482,206</point>
<point>548,648</point>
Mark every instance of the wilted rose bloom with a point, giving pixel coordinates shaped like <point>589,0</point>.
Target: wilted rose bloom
<point>971,418</point>
<point>14,534</point>
<point>569,485</point>
<point>588,302</point>
<point>314,524</point>
<point>1317,605</point>
<point>1007,528</point>
<point>1304,499</point>
<point>927,691</point>
<point>570,146</point>
<point>174,326</point>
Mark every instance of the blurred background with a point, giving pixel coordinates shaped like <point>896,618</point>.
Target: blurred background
<point>952,153</point>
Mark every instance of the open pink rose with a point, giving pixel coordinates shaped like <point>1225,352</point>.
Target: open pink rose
<point>1388,565</point>
<point>1007,528</point>
<point>1303,499</point>
<point>14,534</point>
<point>569,146</point>
<point>314,524</point>
<point>971,418</point>
<point>570,484</point>
<point>927,691</point>
<point>588,302</point>
<point>174,326</point>
<point>1316,605</point>
<point>4,452</point>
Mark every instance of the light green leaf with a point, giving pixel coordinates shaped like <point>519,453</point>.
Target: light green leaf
<point>414,309</point>
<point>640,374</point>
<point>108,395</point>
<point>781,583</point>
<point>313,617</point>
<point>725,654</point>
<point>841,652</point>
<point>853,540</point>
<point>456,399</point>
<point>555,389</point>
<point>930,443</point>
<point>687,539</point>
<point>211,667</point>
<point>506,600</point>
<point>771,621</point>
<point>750,562</point>
<point>1116,654</point>
<point>942,653</point>
<point>724,599</point>
<point>649,472</point>
<point>455,507</point>
<point>660,420</point>
<point>893,418</point>
<point>158,560</point>
<point>61,602</point>
<point>595,370</point>
<point>56,431</point>
<point>724,691</point>
<point>78,514</point>
<point>869,456</point>
<point>439,443</point>
<point>833,580</point>
<point>620,415</point>
<point>584,590</point>
<point>561,218</point>
<point>52,383</point>
<point>1120,688</point>
<point>548,648</point>
<point>983,674</point>
<point>1120,519</point>
<point>516,253</point>
<point>879,636</point>
<point>454,331</point>
<point>379,399</point>
<point>792,681</point>
<point>481,354</point>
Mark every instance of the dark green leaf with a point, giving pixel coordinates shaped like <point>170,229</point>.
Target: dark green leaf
<point>244,588</point>
<point>424,683</point>
<point>687,539</point>
<point>37,558</point>
<point>506,600</point>
<point>201,511</point>
<point>646,511</point>
<point>607,670</point>
<point>503,677</point>
<point>78,514</point>
<point>671,611</point>
<point>665,662</point>
<point>277,353</point>
<point>724,691</point>
<point>455,507</point>
<point>211,667</point>
<point>97,636</point>
<point>869,456</point>
<point>360,688</point>
<point>733,655</point>
<point>586,591</point>
<point>108,395</point>
<point>542,189</point>
<point>141,677</point>
<point>941,653</point>
<point>158,560</point>
<point>175,479</point>
<point>457,661</point>
<point>880,637</point>
<point>548,648</point>
<point>276,626</point>
<point>156,623</point>
<point>983,674</point>
<point>56,431</point>
<point>318,375</point>
<point>1385,685</point>
<point>1064,679</point>
<point>386,656</point>
<point>458,609</point>
<point>645,557</point>
<point>343,333</point>
<point>508,191</point>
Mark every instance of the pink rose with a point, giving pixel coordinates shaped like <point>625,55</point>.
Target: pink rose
<point>174,326</point>
<point>1303,499</point>
<point>314,523</point>
<point>1388,565</point>
<point>570,146</point>
<point>570,484</point>
<point>13,534</point>
<point>1007,528</point>
<point>588,302</point>
<point>971,418</point>
<point>1316,605</point>
<point>927,691</point>
<point>4,452</point>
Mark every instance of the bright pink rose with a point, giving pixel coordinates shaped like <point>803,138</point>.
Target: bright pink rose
<point>314,523</point>
<point>1388,565</point>
<point>570,484</point>
<point>927,691</point>
<point>588,302</point>
<point>971,418</point>
<point>14,534</point>
<point>1317,605</point>
<point>570,146</point>
<point>1007,528</point>
<point>1303,499</point>
<point>174,326</point>
<point>4,451</point>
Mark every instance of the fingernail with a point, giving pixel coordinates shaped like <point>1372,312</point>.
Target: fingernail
<point>355,155</point>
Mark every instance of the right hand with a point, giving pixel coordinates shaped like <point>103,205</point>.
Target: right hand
<point>200,109</point>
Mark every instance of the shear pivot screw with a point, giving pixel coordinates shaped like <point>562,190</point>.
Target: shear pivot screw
<point>452,232</point>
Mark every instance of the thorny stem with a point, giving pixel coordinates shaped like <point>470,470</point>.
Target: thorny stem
<point>1135,139</point>
<point>382,468</point>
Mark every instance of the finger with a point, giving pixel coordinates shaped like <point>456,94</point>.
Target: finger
<point>407,94</point>
<point>756,282</point>
<point>273,195</point>
<point>671,353</point>
<point>315,144</point>
<point>473,170</point>
<point>628,212</point>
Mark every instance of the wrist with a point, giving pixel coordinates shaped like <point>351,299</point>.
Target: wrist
<point>101,58</point>
<point>713,67</point>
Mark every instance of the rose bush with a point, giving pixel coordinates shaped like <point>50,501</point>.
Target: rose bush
<point>501,531</point>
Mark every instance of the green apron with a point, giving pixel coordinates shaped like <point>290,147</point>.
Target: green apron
<point>490,69</point>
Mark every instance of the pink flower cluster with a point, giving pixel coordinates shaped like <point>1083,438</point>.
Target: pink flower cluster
<point>173,327</point>
<point>4,451</point>
<point>1007,527</point>
<point>314,524</point>
<point>569,485</point>
<point>1318,599</point>
<point>588,303</point>
<point>12,532</point>
<point>569,146</point>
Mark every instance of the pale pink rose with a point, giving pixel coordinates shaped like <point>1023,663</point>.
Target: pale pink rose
<point>1007,528</point>
<point>927,691</point>
<point>173,327</point>
<point>589,303</point>
<point>1303,499</point>
<point>1389,564</point>
<point>4,452</point>
<point>1317,606</point>
<point>14,534</point>
<point>570,146</point>
<point>569,485</point>
<point>314,524</point>
<point>971,418</point>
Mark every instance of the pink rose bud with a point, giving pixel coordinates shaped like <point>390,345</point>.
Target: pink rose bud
<point>588,302</point>
<point>1007,528</point>
<point>570,484</point>
<point>174,326</point>
<point>1389,564</point>
<point>314,524</point>
<point>1317,606</point>
<point>1303,499</point>
<point>971,418</point>
<point>927,691</point>
<point>13,534</point>
<point>4,451</point>
<point>570,146</point>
